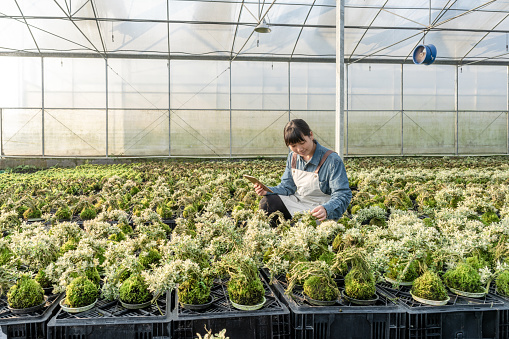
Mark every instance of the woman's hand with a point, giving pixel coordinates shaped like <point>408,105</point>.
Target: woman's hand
<point>319,212</point>
<point>259,190</point>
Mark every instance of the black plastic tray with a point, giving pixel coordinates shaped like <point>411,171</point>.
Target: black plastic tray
<point>270,321</point>
<point>30,325</point>
<point>111,320</point>
<point>383,320</point>
<point>461,317</point>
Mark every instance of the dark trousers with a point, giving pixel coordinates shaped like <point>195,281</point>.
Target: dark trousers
<point>273,203</point>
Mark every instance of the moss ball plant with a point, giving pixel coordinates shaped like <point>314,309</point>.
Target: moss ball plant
<point>404,271</point>
<point>194,292</point>
<point>318,288</point>
<point>244,292</point>
<point>502,283</point>
<point>63,213</point>
<point>150,257</point>
<point>88,213</point>
<point>360,284</point>
<point>81,292</point>
<point>43,279</point>
<point>134,290</point>
<point>26,293</point>
<point>32,213</point>
<point>464,278</point>
<point>429,286</point>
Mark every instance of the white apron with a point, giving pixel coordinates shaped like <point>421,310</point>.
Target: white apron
<point>308,194</point>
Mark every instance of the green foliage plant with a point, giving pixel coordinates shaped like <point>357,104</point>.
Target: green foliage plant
<point>149,257</point>
<point>26,293</point>
<point>464,278</point>
<point>360,284</point>
<point>88,213</point>
<point>81,292</point>
<point>318,280</point>
<point>429,286</point>
<point>502,283</point>
<point>63,213</point>
<point>43,279</point>
<point>195,291</point>
<point>318,288</point>
<point>245,292</point>
<point>134,290</point>
<point>405,271</point>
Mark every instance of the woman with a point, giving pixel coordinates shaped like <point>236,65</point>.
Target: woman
<point>314,179</point>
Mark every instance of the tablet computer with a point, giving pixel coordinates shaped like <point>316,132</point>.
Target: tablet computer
<point>256,181</point>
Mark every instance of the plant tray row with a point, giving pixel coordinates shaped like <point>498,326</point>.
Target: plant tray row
<point>27,325</point>
<point>383,320</point>
<point>270,321</point>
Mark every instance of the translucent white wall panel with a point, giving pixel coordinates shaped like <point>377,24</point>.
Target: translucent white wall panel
<point>482,88</point>
<point>322,123</point>
<point>428,132</point>
<point>186,39</point>
<point>428,87</point>
<point>137,83</point>
<point>374,87</point>
<point>200,133</point>
<point>21,131</point>
<point>259,85</point>
<point>482,132</point>
<point>135,37</point>
<point>18,39</point>
<point>312,86</point>
<point>138,132</point>
<point>74,83</point>
<point>316,42</point>
<point>199,84</point>
<point>131,9</point>
<point>20,82</point>
<point>258,132</point>
<point>74,132</point>
<point>374,133</point>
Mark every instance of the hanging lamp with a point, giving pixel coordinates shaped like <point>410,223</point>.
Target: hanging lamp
<point>262,27</point>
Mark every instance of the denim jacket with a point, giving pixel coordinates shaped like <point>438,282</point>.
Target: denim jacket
<point>332,178</point>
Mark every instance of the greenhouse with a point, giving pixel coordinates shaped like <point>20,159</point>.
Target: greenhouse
<point>171,78</point>
<point>254,169</point>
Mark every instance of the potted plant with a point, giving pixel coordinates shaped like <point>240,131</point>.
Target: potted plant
<point>465,280</point>
<point>245,289</point>
<point>80,295</point>
<point>402,272</point>
<point>194,292</point>
<point>360,287</point>
<point>502,283</point>
<point>429,289</point>
<point>319,287</point>
<point>26,296</point>
<point>134,293</point>
<point>44,281</point>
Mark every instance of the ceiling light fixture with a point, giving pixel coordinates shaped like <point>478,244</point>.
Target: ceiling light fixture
<point>262,27</point>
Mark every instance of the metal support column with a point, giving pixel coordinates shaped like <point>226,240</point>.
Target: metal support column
<point>107,105</point>
<point>1,135</point>
<point>230,108</point>
<point>169,77</point>
<point>402,109</point>
<point>340,77</point>
<point>456,120</point>
<point>507,110</point>
<point>347,107</point>
<point>42,104</point>
<point>289,92</point>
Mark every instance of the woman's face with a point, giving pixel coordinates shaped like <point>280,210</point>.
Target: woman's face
<point>304,148</point>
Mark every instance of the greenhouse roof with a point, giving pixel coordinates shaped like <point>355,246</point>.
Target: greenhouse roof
<point>464,32</point>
